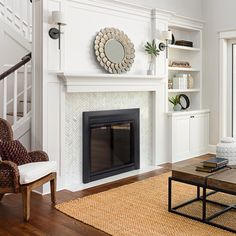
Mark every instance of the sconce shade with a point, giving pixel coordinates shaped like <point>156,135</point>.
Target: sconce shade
<point>167,35</point>
<point>58,17</point>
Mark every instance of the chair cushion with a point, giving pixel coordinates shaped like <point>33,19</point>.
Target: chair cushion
<point>33,171</point>
<point>14,151</point>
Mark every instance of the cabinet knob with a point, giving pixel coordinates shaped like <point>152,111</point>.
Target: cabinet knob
<point>191,116</point>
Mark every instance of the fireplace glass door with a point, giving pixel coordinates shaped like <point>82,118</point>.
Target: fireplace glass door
<point>110,143</point>
<point>110,146</point>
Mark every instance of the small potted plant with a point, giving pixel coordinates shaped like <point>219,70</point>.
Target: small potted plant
<point>176,102</point>
<point>153,51</point>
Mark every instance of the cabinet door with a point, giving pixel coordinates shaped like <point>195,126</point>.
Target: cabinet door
<point>180,138</point>
<point>199,134</point>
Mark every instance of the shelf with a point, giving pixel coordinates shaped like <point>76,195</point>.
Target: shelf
<point>79,75</point>
<point>187,112</point>
<point>76,82</point>
<point>183,90</point>
<point>184,48</point>
<point>182,69</point>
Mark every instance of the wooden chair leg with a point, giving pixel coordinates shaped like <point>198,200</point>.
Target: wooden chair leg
<point>53,189</point>
<point>26,192</point>
<point>1,196</point>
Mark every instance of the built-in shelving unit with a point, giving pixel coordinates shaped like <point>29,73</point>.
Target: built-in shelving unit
<point>192,55</point>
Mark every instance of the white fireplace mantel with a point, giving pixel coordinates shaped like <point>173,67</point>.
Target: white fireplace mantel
<point>75,82</point>
<point>72,83</point>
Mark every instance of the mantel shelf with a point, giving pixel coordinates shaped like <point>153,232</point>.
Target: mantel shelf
<point>77,82</point>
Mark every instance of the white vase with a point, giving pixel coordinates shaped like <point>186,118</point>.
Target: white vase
<point>150,70</point>
<point>177,107</point>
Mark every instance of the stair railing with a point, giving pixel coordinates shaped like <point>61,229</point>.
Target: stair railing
<point>13,71</point>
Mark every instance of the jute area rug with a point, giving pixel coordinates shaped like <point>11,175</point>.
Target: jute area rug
<point>140,209</point>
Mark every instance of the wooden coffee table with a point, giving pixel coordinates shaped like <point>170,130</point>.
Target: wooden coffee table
<point>223,180</point>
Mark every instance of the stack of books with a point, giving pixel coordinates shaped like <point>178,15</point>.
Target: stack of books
<point>212,165</point>
<point>180,81</point>
<point>184,43</point>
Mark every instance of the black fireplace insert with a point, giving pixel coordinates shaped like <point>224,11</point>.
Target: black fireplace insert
<point>110,143</point>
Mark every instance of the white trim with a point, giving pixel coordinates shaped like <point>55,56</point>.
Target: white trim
<point>76,83</point>
<point>223,77</point>
<point>212,149</point>
<point>116,6</point>
<point>14,35</point>
<point>37,74</point>
<point>22,126</point>
<point>184,113</point>
<point>106,82</point>
<point>227,34</point>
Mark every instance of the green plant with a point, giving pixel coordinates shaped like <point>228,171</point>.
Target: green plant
<point>151,48</point>
<point>174,100</point>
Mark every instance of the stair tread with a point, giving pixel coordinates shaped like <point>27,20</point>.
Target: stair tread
<point>21,101</point>
<point>19,114</point>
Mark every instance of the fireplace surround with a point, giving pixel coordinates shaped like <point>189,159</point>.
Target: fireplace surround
<point>111,143</point>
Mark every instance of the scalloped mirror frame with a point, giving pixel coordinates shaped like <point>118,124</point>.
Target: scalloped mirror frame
<point>106,60</point>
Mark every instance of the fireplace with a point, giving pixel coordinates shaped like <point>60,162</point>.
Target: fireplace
<point>110,143</point>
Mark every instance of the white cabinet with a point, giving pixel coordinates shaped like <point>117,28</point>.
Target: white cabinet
<point>189,134</point>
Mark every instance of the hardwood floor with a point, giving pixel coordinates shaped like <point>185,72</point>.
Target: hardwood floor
<point>45,220</point>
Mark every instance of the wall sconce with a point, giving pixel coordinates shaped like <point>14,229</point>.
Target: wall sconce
<point>58,18</point>
<point>167,36</point>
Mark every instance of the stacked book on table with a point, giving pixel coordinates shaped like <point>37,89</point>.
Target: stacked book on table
<point>212,165</point>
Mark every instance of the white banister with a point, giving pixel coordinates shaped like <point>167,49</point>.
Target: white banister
<point>15,90</point>
<point>25,102</point>
<point>15,98</point>
<point>4,98</point>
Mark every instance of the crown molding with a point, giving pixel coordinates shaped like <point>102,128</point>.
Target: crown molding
<point>186,22</point>
<point>117,6</point>
<point>142,11</point>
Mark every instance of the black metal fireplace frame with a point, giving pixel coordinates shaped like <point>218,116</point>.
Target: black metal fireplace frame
<point>93,118</point>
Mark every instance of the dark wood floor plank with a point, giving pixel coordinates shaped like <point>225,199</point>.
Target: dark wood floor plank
<point>46,220</point>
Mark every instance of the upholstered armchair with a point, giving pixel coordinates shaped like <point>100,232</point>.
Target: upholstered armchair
<point>22,171</point>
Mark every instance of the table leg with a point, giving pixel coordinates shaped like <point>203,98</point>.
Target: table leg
<point>169,194</point>
<point>198,192</point>
<point>204,204</point>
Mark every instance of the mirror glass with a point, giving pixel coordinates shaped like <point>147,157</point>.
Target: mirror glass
<point>114,51</point>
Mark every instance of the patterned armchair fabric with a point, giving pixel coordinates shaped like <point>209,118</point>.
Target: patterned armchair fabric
<point>9,176</point>
<point>9,172</point>
<point>6,133</point>
<point>14,151</point>
<point>37,156</point>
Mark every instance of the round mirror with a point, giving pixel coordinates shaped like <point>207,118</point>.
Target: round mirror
<point>114,51</point>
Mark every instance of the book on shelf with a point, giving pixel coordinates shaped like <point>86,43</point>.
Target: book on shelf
<point>206,169</point>
<point>215,162</point>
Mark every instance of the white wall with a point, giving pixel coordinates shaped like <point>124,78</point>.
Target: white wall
<point>188,8</point>
<point>219,16</point>
<point>19,7</point>
<point>10,47</point>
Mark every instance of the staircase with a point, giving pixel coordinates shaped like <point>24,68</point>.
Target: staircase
<point>16,80</point>
<point>18,15</point>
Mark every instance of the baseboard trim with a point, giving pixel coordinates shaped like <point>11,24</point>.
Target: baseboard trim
<point>212,149</point>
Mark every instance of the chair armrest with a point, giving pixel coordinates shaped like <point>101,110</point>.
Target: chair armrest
<point>9,176</point>
<point>37,156</point>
